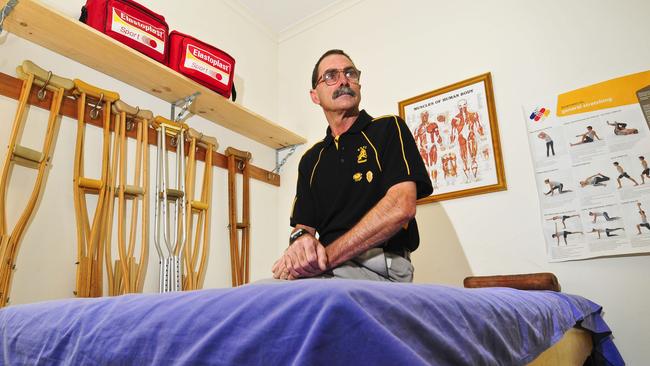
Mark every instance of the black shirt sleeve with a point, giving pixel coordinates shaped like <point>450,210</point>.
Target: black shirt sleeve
<point>401,160</point>
<point>303,211</point>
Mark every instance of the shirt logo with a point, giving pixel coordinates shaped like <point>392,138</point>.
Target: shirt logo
<point>369,176</point>
<point>363,154</point>
<point>357,177</point>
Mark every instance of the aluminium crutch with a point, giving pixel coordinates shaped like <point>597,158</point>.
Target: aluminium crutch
<point>239,251</point>
<point>127,275</point>
<point>170,268</point>
<point>194,277</point>
<point>91,235</point>
<point>38,160</point>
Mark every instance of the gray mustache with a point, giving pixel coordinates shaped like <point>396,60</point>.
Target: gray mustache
<point>343,90</point>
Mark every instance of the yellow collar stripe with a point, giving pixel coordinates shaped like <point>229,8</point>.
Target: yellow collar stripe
<point>385,116</point>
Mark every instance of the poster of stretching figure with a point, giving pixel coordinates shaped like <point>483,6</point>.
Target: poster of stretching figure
<point>455,129</point>
<point>590,149</point>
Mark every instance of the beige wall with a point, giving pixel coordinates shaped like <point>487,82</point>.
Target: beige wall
<point>442,263</point>
<point>533,49</point>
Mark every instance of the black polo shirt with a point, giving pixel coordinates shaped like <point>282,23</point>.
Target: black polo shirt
<point>340,180</point>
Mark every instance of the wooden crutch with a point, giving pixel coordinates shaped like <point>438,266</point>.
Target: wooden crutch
<point>194,277</point>
<point>91,236</point>
<point>39,160</point>
<point>128,275</point>
<point>170,268</point>
<point>239,252</point>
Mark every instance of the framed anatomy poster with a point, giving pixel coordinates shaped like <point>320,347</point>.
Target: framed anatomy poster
<point>455,129</point>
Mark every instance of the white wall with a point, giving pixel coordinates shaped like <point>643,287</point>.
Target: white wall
<point>45,265</point>
<point>533,49</point>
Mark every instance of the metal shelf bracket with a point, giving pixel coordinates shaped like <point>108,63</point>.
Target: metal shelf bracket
<point>184,104</point>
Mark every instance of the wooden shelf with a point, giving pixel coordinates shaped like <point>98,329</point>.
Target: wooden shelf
<point>11,87</point>
<point>44,26</point>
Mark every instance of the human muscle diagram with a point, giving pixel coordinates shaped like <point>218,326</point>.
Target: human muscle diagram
<point>453,134</point>
<point>589,149</point>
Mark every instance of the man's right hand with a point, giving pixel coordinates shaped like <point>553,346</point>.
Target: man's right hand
<point>306,257</point>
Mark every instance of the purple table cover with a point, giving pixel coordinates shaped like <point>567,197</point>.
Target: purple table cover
<point>307,322</point>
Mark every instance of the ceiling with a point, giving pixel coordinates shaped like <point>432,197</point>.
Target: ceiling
<point>279,15</point>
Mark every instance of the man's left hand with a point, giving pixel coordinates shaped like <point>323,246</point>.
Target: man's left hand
<point>306,257</point>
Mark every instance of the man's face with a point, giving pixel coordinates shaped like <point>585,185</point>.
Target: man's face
<point>425,116</point>
<point>336,97</point>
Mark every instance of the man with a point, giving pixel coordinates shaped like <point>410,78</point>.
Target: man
<point>549,142</point>
<point>607,231</point>
<point>623,174</point>
<point>646,171</point>
<point>596,214</point>
<point>621,129</point>
<point>356,188</point>
<point>563,218</point>
<point>587,137</point>
<point>563,234</point>
<point>553,185</point>
<point>595,180</point>
<point>644,219</point>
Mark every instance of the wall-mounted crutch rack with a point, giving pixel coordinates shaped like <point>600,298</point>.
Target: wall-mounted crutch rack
<point>10,87</point>
<point>50,89</point>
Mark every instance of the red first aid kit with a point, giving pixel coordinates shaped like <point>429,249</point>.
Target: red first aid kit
<point>130,23</point>
<point>205,64</point>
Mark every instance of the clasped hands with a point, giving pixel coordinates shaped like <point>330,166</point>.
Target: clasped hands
<point>306,257</point>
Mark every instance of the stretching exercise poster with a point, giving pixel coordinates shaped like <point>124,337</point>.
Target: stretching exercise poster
<point>590,149</point>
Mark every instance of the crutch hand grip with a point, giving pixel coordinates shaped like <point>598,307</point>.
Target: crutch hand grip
<point>28,154</point>
<point>91,184</point>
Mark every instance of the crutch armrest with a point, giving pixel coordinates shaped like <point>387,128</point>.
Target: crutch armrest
<point>120,106</point>
<point>84,87</point>
<point>203,139</point>
<point>243,155</point>
<point>41,76</point>
<point>176,126</point>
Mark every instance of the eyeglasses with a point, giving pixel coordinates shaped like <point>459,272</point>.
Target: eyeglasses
<point>331,76</point>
